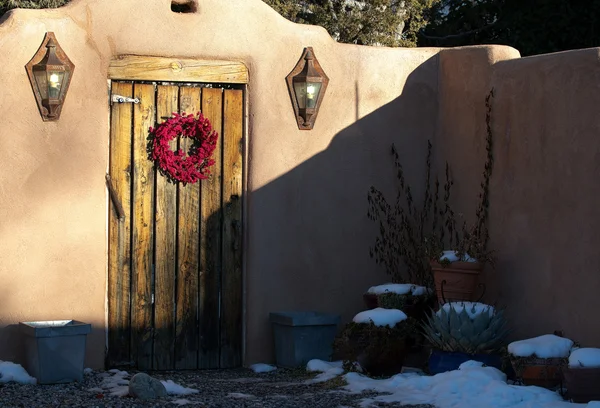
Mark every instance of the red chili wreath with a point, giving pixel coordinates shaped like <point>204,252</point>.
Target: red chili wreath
<point>179,166</point>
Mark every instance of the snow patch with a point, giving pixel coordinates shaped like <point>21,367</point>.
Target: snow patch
<point>262,368</point>
<point>88,371</point>
<point>183,402</point>
<point>176,389</point>
<point>322,366</point>
<point>472,385</point>
<point>239,395</point>
<point>328,370</point>
<point>399,288</point>
<point>585,357</point>
<point>473,309</point>
<point>380,317</point>
<point>10,371</point>
<point>451,256</point>
<point>116,384</point>
<point>546,346</point>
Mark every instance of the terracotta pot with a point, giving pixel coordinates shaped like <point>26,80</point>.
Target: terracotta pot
<point>384,362</point>
<point>583,384</point>
<point>370,301</point>
<point>543,372</point>
<point>456,282</point>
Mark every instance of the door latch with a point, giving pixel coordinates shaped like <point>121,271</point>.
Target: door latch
<point>123,99</point>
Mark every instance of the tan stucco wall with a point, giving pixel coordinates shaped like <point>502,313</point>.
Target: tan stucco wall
<point>307,235</point>
<point>545,193</point>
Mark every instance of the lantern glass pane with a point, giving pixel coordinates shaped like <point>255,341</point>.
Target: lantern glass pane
<point>300,90</point>
<point>55,81</point>
<point>312,94</point>
<point>41,82</point>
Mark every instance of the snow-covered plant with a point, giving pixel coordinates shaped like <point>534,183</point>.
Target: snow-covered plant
<point>471,328</point>
<point>378,349</point>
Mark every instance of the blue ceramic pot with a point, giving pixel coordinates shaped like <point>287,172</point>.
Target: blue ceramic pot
<point>442,361</point>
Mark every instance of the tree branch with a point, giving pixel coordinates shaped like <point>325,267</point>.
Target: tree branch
<point>454,36</point>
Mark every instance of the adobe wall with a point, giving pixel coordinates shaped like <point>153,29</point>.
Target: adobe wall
<point>545,193</point>
<point>307,234</point>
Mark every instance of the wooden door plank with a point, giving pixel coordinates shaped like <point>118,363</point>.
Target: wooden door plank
<point>210,238</point>
<point>119,268</point>
<point>231,280</point>
<point>165,247</point>
<point>188,252</point>
<point>142,227</point>
<point>143,68</point>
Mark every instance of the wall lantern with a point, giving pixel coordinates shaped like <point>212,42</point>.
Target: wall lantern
<point>50,72</point>
<point>307,84</point>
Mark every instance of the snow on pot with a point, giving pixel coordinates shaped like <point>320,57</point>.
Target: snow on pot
<point>540,360</point>
<point>463,331</point>
<point>456,277</point>
<point>414,300</point>
<point>582,376</point>
<point>377,340</point>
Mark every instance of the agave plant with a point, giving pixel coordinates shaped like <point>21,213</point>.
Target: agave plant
<point>471,333</point>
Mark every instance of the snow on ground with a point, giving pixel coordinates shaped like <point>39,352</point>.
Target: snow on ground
<point>471,386</point>
<point>239,395</point>
<point>176,389</point>
<point>380,317</point>
<point>116,382</point>
<point>14,372</point>
<point>473,309</point>
<point>327,369</point>
<point>546,346</point>
<point>452,257</point>
<point>262,368</point>
<point>398,288</point>
<point>585,357</point>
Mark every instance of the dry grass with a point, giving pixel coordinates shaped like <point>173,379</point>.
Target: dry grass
<point>6,5</point>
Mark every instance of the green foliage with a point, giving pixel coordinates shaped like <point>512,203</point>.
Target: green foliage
<point>6,5</point>
<point>368,22</point>
<point>457,332</point>
<point>533,27</point>
<point>395,301</point>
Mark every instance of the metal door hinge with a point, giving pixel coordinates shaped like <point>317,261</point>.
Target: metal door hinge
<point>123,99</point>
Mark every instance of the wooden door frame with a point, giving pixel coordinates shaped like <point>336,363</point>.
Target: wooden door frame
<point>172,69</point>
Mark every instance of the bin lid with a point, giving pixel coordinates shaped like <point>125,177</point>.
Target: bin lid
<point>304,318</point>
<point>55,328</point>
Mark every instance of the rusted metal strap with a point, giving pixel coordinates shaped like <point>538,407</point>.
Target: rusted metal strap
<point>115,199</point>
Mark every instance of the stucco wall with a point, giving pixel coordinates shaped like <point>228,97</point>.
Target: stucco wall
<point>545,193</point>
<point>307,235</point>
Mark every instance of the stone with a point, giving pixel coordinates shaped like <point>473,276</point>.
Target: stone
<point>144,387</point>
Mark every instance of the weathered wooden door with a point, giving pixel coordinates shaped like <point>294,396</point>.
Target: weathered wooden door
<point>175,260</point>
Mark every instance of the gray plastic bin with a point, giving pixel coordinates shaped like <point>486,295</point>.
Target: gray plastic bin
<point>302,336</point>
<point>55,350</point>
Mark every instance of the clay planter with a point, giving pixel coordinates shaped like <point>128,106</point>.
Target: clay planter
<point>371,301</point>
<point>543,372</point>
<point>441,361</point>
<point>384,362</point>
<point>457,281</point>
<point>583,384</point>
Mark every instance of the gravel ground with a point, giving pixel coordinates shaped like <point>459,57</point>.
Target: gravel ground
<point>220,388</point>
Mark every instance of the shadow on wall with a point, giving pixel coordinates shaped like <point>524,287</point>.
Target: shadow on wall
<point>309,235</point>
